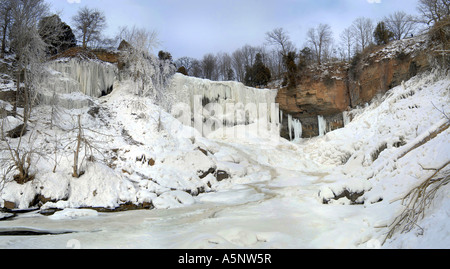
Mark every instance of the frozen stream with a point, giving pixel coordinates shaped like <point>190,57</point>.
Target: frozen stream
<point>283,212</point>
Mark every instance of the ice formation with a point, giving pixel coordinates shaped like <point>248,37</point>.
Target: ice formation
<point>346,118</point>
<point>322,125</point>
<point>93,78</point>
<point>66,76</point>
<point>228,103</point>
<point>296,126</point>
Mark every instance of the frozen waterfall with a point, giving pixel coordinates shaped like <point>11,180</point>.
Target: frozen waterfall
<point>67,76</point>
<point>226,103</point>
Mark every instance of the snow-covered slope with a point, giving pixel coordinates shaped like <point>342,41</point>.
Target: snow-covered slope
<point>389,148</point>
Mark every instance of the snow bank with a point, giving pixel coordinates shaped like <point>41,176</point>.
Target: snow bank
<point>70,213</point>
<point>384,151</point>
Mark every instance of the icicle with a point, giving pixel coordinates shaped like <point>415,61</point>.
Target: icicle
<point>296,126</point>
<point>92,78</point>
<point>297,129</point>
<point>322,125</point>
<point>281,117</point>
<point>290,126</point>
<point>346,118</point>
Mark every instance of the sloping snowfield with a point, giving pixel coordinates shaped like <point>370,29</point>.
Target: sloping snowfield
<point>280,194</point>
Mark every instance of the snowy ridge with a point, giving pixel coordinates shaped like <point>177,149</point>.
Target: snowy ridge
<point>405,46</point>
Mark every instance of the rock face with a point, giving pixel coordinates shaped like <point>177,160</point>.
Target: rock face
<point>329,90</point>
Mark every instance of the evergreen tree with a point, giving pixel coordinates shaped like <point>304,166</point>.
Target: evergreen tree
<point>182,70</point>
<point>289,61</point>
<point>258,74</point>
<point>56,34</point>
<point>382,34</point>
<point>230,74</point>
<point>164,55</point>
<point>305,58</point>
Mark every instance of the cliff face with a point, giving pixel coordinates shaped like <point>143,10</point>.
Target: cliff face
<point>386,68</point>
<point>329,90</point>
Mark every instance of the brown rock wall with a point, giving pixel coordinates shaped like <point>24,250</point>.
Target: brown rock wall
<point>329,90</point>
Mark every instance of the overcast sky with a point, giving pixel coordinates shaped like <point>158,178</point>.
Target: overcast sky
<point>196,27</point>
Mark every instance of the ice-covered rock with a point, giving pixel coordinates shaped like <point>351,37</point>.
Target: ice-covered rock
<point>64,77</point>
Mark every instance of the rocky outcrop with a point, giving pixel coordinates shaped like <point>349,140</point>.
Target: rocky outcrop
<point>386,68</point>
<point>329,90</point>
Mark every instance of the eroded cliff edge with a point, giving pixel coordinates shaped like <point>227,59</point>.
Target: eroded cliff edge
<point>331,89</point>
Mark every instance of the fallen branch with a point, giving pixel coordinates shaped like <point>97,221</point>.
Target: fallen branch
<point>417,200</point>
<point>432,134</point>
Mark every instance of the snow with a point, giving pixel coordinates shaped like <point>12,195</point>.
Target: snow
<point>9,123</point>
<point>406,46</point>
<point>71,213</point>
<point>273,197</point>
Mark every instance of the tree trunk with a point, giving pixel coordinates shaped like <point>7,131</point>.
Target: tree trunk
<point>3,49</point>
<point>17,92</point>
<point>27,103</point>
<point>77,150</point>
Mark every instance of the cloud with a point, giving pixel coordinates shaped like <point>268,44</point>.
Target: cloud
<point>373,1</point>
<point>73,1</point>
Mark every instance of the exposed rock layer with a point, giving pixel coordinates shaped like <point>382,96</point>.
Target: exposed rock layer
<point>329,90</point>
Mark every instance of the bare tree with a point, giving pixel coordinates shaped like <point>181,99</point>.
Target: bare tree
<point>140,38</point>
<point>21,154</point>
<point>400,24</point>
<point>5,22</point>
<point>209,64</point>
<point>138,58</point>
<point>238,64</point>
<point>249,54</point>
<point>28,46</point>
<point>347,40</point>
<point>85,146</point>
<point>286,50</point>
<point>362,29</point>
<point>186,62</point>
<point>320,38</point>
<point>224,66</point>
<point>433,10</point>
<point>280,38</point>
<point>197,70</point>
<point>274,61</point>
<point>89,23</point>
